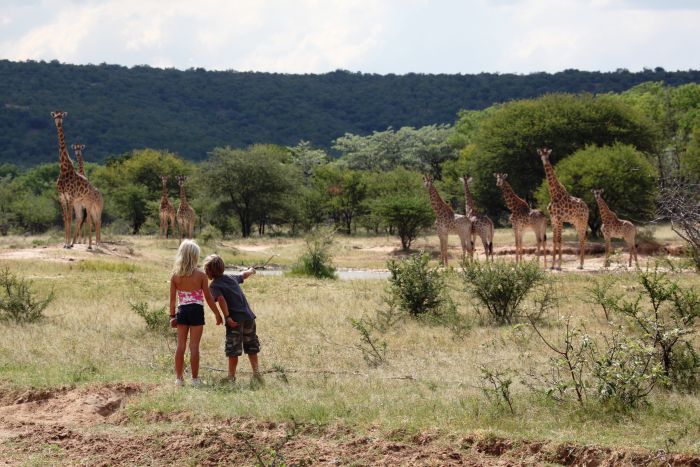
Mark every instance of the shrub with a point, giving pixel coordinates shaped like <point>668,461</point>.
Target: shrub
<point>415,287</point>
<point>18,302</point>
<point>209,234</point>
<point>501,286</point>
<point>157,320</point>
<point>316,261</point>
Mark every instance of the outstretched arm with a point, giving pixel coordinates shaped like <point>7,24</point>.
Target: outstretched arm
<point>248,272</point>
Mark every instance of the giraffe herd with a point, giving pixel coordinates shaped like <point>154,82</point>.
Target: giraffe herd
<point>562,208</point>
<point>78,196</point>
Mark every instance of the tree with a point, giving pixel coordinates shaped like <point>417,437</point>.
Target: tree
<point>626,175</point>
<point>508,139</point>
<point>256,182</point>
<point>344,191</point>
<point>407,214</point>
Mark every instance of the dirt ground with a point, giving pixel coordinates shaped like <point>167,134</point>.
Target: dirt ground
<point>88,425</point>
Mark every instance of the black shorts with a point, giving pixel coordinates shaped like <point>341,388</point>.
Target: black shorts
<point>190,315</point>
<point>241,339</point>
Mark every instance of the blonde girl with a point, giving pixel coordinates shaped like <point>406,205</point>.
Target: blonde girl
<point>190,287</point>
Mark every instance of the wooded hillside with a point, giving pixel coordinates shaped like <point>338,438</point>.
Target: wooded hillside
<point>114,109</point>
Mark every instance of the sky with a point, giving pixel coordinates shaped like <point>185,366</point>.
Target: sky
<point>370,36</point>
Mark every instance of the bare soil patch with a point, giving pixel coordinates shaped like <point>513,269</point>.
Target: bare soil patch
<point>55,425</point>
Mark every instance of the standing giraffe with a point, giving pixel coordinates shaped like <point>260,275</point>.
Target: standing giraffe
<point>522,217</point>
<point>563,208</point>
<point>481,224</point>
<point>448,222</point>
<point>167,211</point>
<point>78,151</point>
<point>613,227</point>
<point>74,188</point>
<point>185,213</point>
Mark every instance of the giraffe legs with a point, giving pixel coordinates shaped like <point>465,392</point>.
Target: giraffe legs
<point>581,231</point>
<point>630,240</point>
<point>67,220</point>
<point>443,248</point>
<point>608,245</point>
<point>556,243</point>
<point>518,245</point>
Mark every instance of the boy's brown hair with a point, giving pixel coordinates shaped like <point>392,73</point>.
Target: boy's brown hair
<point>214,266</point>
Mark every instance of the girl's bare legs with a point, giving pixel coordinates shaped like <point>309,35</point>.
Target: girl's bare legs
<point>180,351</point>
<point>195,337</point>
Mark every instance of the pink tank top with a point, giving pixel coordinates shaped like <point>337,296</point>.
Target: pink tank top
<point>188,298</point>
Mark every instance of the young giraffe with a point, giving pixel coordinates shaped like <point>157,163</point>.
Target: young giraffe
<point>74,188</point>
<point>78,151</point>
<point>563,208</point>
<point>613,227</point>
<point>522,217</point>
<point>481,224</point>
<point>185,213</point>
<point>167,211</point>
<point>448,222</point>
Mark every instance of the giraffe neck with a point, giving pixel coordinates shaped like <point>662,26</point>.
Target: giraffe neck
<point>470,206</point>
<point>606,215</point>
<point>81,167</point>
<point>514,202</point>
<point>556,189</point>
<point>64,158</point>
<point>439,206</point>
<point>164,197</point>
<point>183,198</point>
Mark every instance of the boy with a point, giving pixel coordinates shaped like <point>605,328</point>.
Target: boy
<point>238,317</point>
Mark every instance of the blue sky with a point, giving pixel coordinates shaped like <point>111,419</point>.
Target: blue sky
<point>372,36</point>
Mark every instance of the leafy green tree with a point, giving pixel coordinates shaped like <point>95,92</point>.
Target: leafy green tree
<point>344,192</point>
<point>626,175</point>
<point>255,182</point>
<point>690,160</point>
<point>408,214</point>
<point>508,139</point>
<point>131,203</point>
<point>308,158</point>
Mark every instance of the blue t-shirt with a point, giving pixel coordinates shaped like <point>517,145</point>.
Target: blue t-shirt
<point>227,286</point>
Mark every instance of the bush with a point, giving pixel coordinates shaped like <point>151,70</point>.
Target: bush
<point>317,260</point>
<point>157,320</point>
<point>501,286</point>
<point>18,302</point>
<point>209,234</point>
<point>415,287</point>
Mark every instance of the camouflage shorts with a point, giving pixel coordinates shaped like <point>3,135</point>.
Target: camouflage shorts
<point>241,339</point>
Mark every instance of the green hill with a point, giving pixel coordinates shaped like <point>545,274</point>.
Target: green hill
<point>113,109</point>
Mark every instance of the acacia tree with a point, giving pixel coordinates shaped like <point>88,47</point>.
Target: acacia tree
<point>256,182</point>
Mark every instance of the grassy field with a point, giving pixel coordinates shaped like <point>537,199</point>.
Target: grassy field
<point>314,372</point>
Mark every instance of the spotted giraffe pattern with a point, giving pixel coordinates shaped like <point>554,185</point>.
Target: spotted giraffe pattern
<point>523,217</point>
<point>167,211</point>
<point>613,227</point>
<point>447,222</point>
<point>74,189</point>
<point>81,229</point>
<point>563,208</point>
<point>185,214</point>
<point>482,225</point>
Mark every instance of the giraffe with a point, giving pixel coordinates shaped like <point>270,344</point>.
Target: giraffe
<point>563,208</point>
<point>448,222</point>
<point>185,213</point>
<point>522,217</point>
<point>74,188</point>
<point>481,224</point>
<point>613,227</point>
<point>78,151</point>
<point>167,211</point>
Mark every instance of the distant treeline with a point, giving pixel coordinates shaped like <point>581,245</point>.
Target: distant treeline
<point>114,109</point>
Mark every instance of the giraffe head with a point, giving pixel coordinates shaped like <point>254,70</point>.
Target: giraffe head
<point>58,117</point>
<point>164,179</point>
<point>78,148</point>
<point>181,179</point>
<point>597,193</point>
<point>427,180</point>
<point>466,179</point>
<point>544,154</point>
<point>500,178</point>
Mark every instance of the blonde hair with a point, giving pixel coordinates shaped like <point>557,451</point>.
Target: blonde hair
<point>186,259</point>
<point>214,266</point>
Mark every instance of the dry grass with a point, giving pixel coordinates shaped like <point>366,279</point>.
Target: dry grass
<point>314,371</point>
